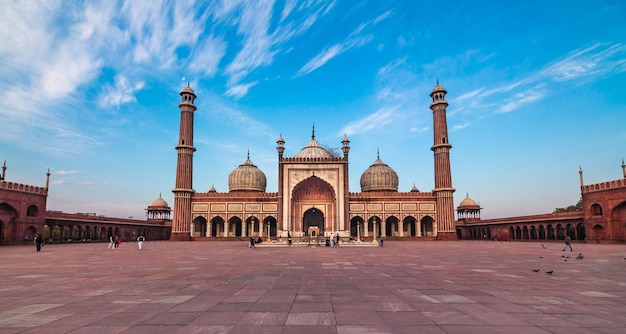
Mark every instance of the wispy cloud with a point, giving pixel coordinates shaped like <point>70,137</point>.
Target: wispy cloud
<point>240,90</point>
<point>261,39</point>
<point>578,66</point>
<point>357,38</point>
<point>379,118</point>
<point>120,93</point>
<point>592,61</point>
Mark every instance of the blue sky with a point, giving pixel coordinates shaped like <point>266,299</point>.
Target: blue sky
<point>90,90</point>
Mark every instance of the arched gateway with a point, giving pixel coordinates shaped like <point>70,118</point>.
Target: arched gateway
<point>313,203</point>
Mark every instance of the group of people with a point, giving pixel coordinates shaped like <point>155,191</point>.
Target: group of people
<point>114,242</point>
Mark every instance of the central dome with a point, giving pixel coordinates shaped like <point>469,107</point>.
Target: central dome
<point>247,177</point>
<point>313,150</point>
<point>379,177</point>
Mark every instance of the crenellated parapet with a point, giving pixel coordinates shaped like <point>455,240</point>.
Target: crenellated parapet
<point>23,188</point>
<point>615,184</point>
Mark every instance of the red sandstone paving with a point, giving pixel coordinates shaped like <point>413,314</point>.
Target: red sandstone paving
<point>224,287</point>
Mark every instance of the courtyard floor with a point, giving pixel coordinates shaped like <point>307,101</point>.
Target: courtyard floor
<point>225,287</point>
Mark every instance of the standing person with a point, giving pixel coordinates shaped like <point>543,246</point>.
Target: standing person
<point>252,243</point>
<point>568,241</point>
<point>38,242</point>
<point>380,241</point>
<point>140,241</point>
<point>289,238</point>
<point>332,240</point>
<point>111,242</point>
<point>337,240</point>
<point>116,242</point>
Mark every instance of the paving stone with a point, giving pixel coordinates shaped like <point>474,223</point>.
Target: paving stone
<point>221,287</point>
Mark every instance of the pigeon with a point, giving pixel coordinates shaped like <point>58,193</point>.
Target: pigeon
<point>543,246</point>
<point>565,260</point>
<point>562,255</point>
<point>549,272</point>
<point>536,270</point>
<point>541,257</point>
<point>580,256</point>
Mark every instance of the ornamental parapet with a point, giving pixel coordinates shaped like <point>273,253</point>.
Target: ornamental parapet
<point>389,194</point>
<point>604,186</point>
<point>260,196</point>
<point>23,188</point>
<point>293,159</point>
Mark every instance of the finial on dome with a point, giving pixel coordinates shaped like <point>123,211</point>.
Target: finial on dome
<point>378,153</point>
<point>313,132</point>
<point>248,154</point>
<point>437,81</point>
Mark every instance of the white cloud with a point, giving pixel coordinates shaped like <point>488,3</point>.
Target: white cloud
<point>381,117</point>
<point>357,38</point>
<point>594,60</point>
<point>321,59</point>
<point>208,55</point>
<point>122,92</point>
<point>240,90</point>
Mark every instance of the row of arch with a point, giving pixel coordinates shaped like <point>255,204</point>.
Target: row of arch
<point>392,227</point>
<point>234,227</point>
<point>73,233</point>
<point>527,232</point>
<point>268,227</point>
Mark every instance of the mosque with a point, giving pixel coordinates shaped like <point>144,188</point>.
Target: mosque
<point>313,199</point>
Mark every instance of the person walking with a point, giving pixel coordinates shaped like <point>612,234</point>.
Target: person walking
<point>38,242</point>
<point>332,240</point>
<point>289,238</point>
<point>110,242</point>
<point>568,241</point>
<point>337,240</point>
<point>116,242</point>
<point>252,243</point>
<point>140,241</point>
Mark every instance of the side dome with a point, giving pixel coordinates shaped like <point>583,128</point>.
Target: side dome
<point>313,150</point>
<point>379,177</point>
<point>247,177</point>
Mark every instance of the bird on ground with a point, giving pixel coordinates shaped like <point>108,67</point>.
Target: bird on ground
<point>543,246</point>
<point>580,256</point>
<point>549,272</point>
<point>536,270</point>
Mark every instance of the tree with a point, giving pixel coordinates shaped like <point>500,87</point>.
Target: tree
<point>576,207</point>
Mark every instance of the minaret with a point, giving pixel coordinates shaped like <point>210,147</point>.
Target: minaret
<point>181,222</point>
<point>443,191</point>
<point>345,147</point>
<point>280,147</point>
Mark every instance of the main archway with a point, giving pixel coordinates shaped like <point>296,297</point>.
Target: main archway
<point>313,204</point>
<point>313,218</point>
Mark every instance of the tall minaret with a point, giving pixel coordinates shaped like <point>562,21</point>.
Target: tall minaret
<point>443,177</point>
<point>181,222</point>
